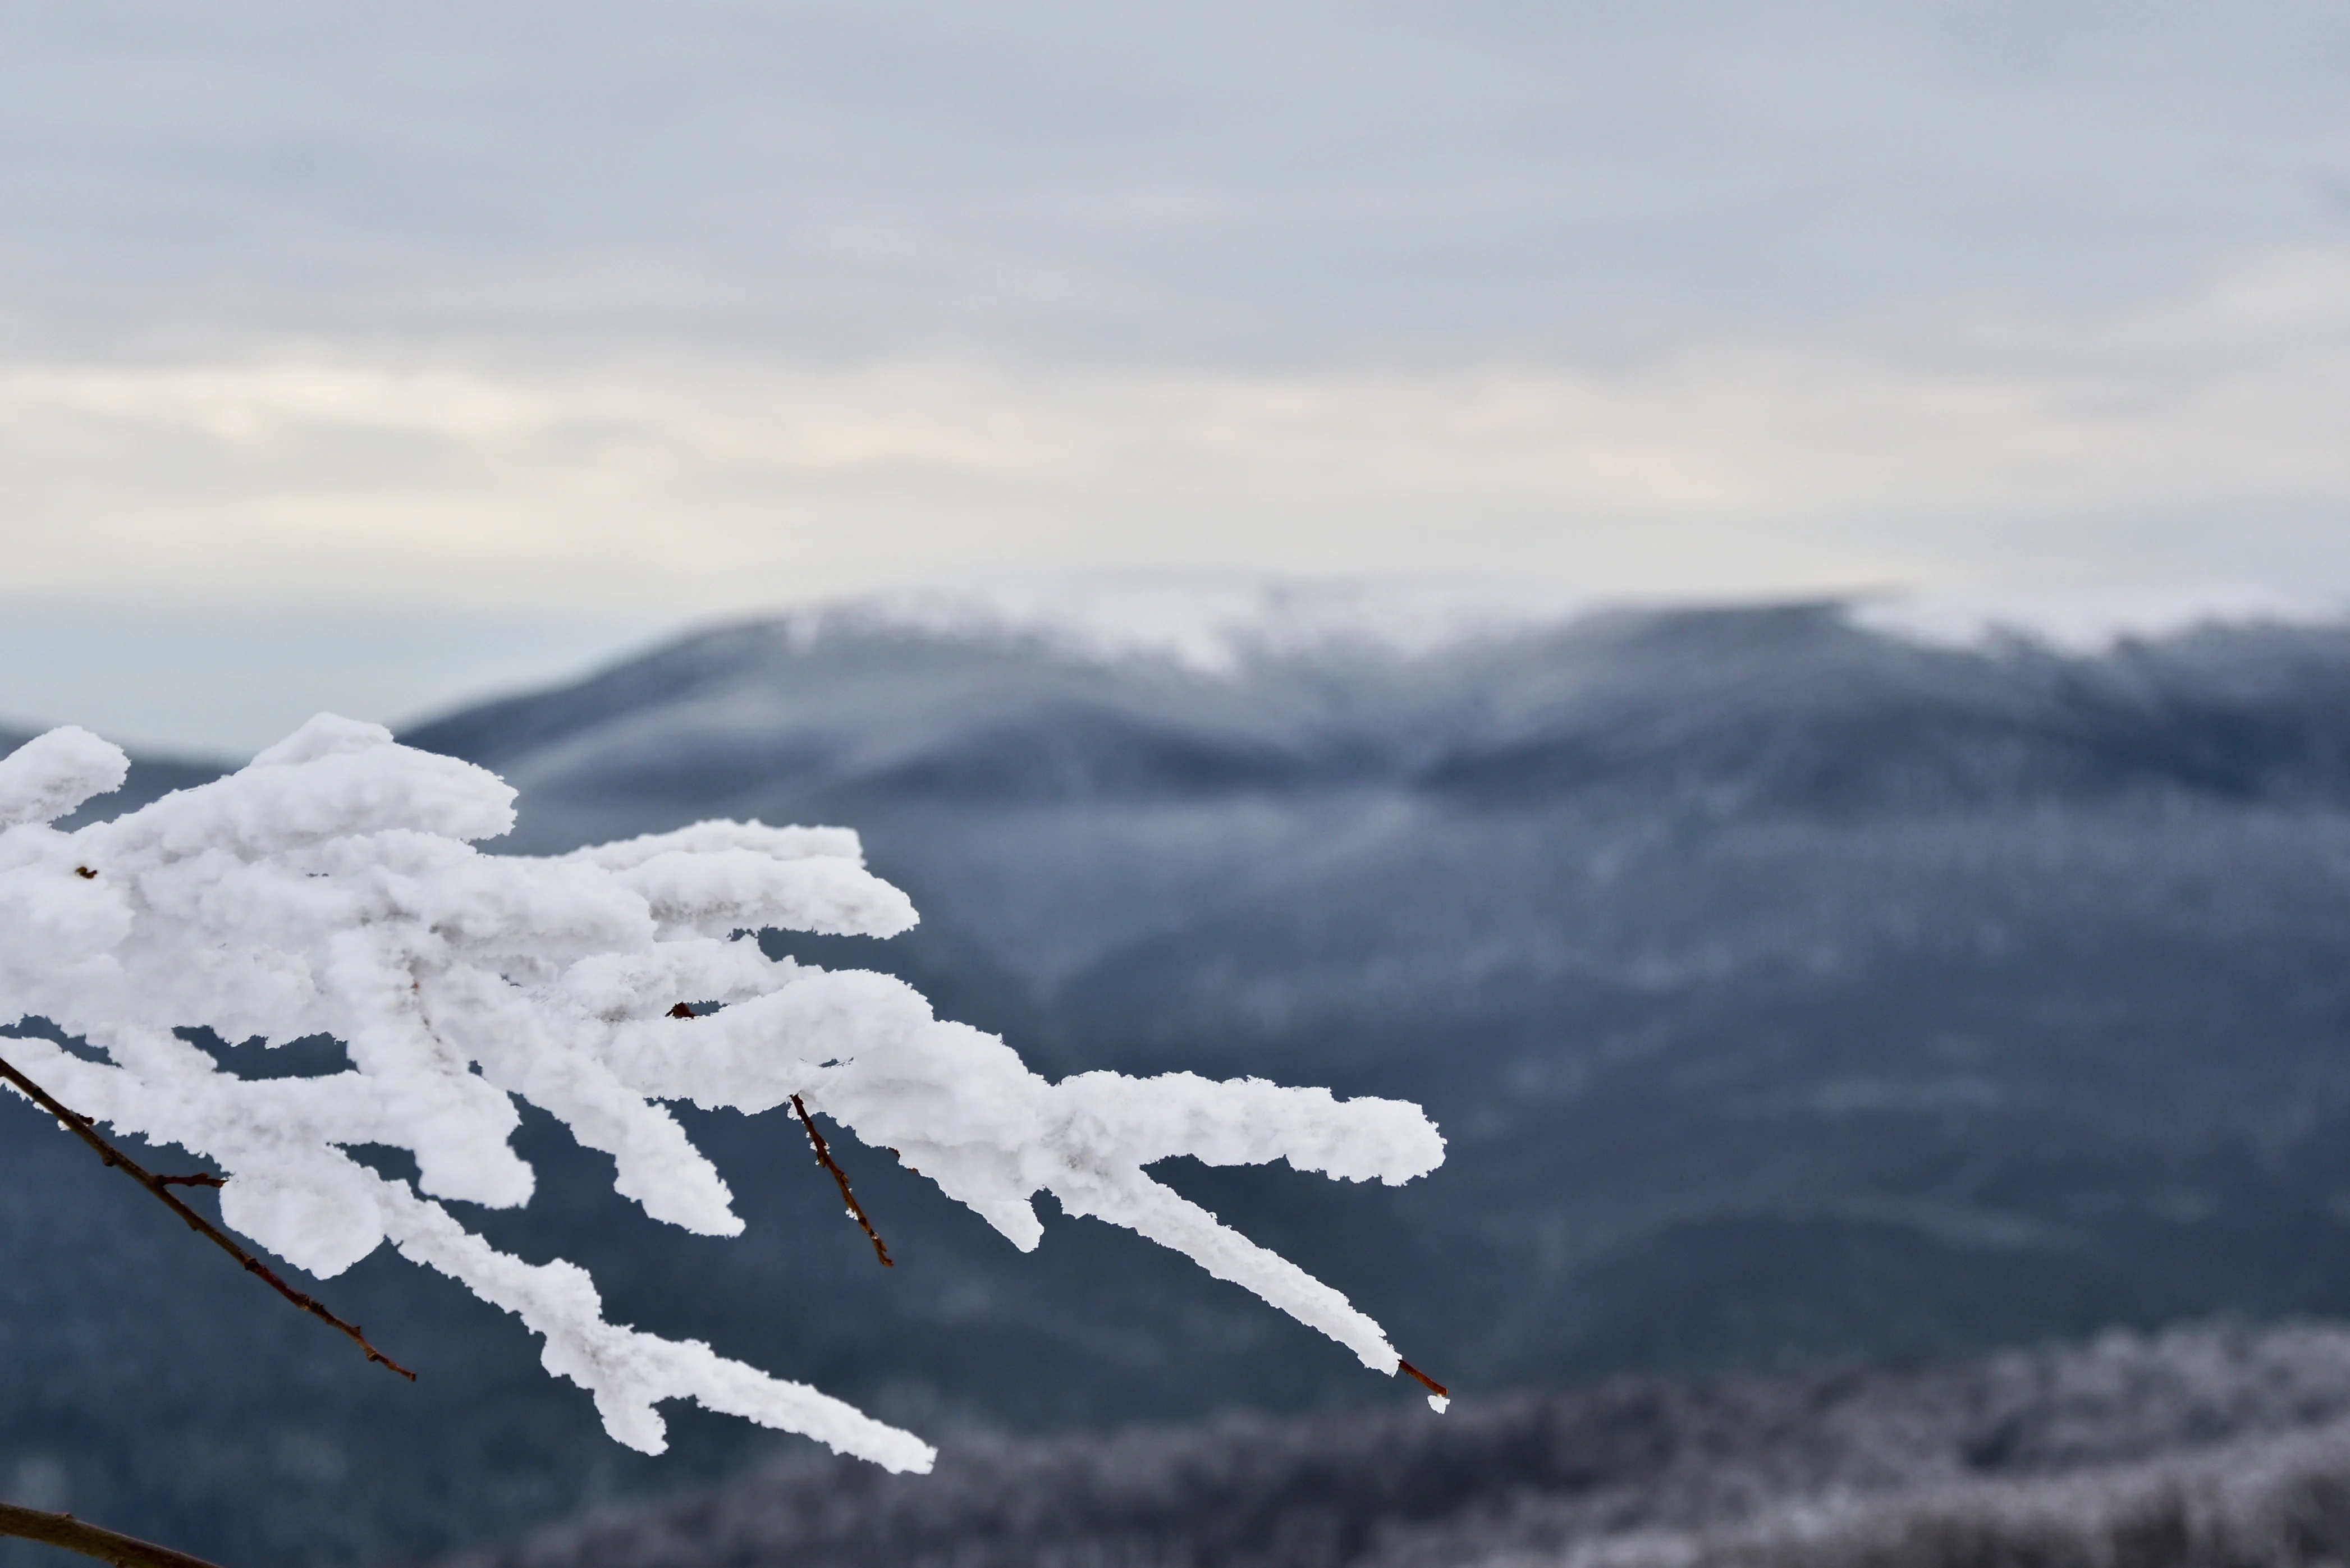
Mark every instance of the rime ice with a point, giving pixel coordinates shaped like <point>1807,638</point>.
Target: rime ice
<point>332,888</point>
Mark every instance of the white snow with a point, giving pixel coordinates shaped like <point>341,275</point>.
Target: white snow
<point>333,887</point>
<point>50,774</point>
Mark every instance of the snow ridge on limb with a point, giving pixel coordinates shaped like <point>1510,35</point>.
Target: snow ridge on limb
<point>50,774</point>
<point>333,887</point>
<point>628,1372</point>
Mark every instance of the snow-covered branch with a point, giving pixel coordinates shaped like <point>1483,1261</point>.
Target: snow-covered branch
<point>332,888</point>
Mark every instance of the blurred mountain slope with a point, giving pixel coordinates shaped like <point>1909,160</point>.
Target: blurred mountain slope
<point>1786,990</point>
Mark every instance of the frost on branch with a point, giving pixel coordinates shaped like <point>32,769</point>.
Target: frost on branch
<point>332,888</point>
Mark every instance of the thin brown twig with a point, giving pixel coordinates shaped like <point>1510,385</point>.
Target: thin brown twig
<point>202,1178</point>
<point>81,1126</point>
<point>856,1209</point>
<point>1431,1384</point>
<point>90,1539</point>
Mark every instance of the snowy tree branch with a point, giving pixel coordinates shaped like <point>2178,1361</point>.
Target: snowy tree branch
<point>332,889</point>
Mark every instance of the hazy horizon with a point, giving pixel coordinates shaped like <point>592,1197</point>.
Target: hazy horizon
<point>378,356</point>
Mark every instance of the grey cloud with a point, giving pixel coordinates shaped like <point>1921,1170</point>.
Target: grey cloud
<point>1213,183</point>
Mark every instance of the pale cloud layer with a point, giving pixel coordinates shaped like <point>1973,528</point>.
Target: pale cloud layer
<point>454,343</point>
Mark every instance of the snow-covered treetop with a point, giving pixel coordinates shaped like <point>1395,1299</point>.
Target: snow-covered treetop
<point>332,888</point>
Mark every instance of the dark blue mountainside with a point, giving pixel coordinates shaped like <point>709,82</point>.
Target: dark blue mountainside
<point>1790,995</point>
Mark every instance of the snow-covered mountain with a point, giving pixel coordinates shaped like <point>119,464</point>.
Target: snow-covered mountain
<point>1786,990</point>
<point>1790,993</point>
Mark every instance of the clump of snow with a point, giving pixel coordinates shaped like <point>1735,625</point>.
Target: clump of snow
<point>50,774</point>
<point>333,887</point>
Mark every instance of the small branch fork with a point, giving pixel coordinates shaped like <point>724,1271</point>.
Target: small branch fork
<point>106,1545</point>
<point>83,1128</point>
<point>856,1209</point>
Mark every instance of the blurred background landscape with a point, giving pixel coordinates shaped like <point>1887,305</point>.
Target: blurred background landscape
<point>1753,606</point>
<point>1796,998</point>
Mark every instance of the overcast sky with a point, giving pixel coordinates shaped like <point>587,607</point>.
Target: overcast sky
<point>368,356</point>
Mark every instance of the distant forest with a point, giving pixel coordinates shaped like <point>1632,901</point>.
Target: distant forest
<point>2197,1449</point>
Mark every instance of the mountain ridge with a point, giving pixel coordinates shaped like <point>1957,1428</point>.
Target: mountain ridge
<point>2254,710</point>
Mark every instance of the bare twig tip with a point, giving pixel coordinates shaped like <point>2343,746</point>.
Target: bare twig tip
<point>856,1209</point>
<point>1431,1384</point>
